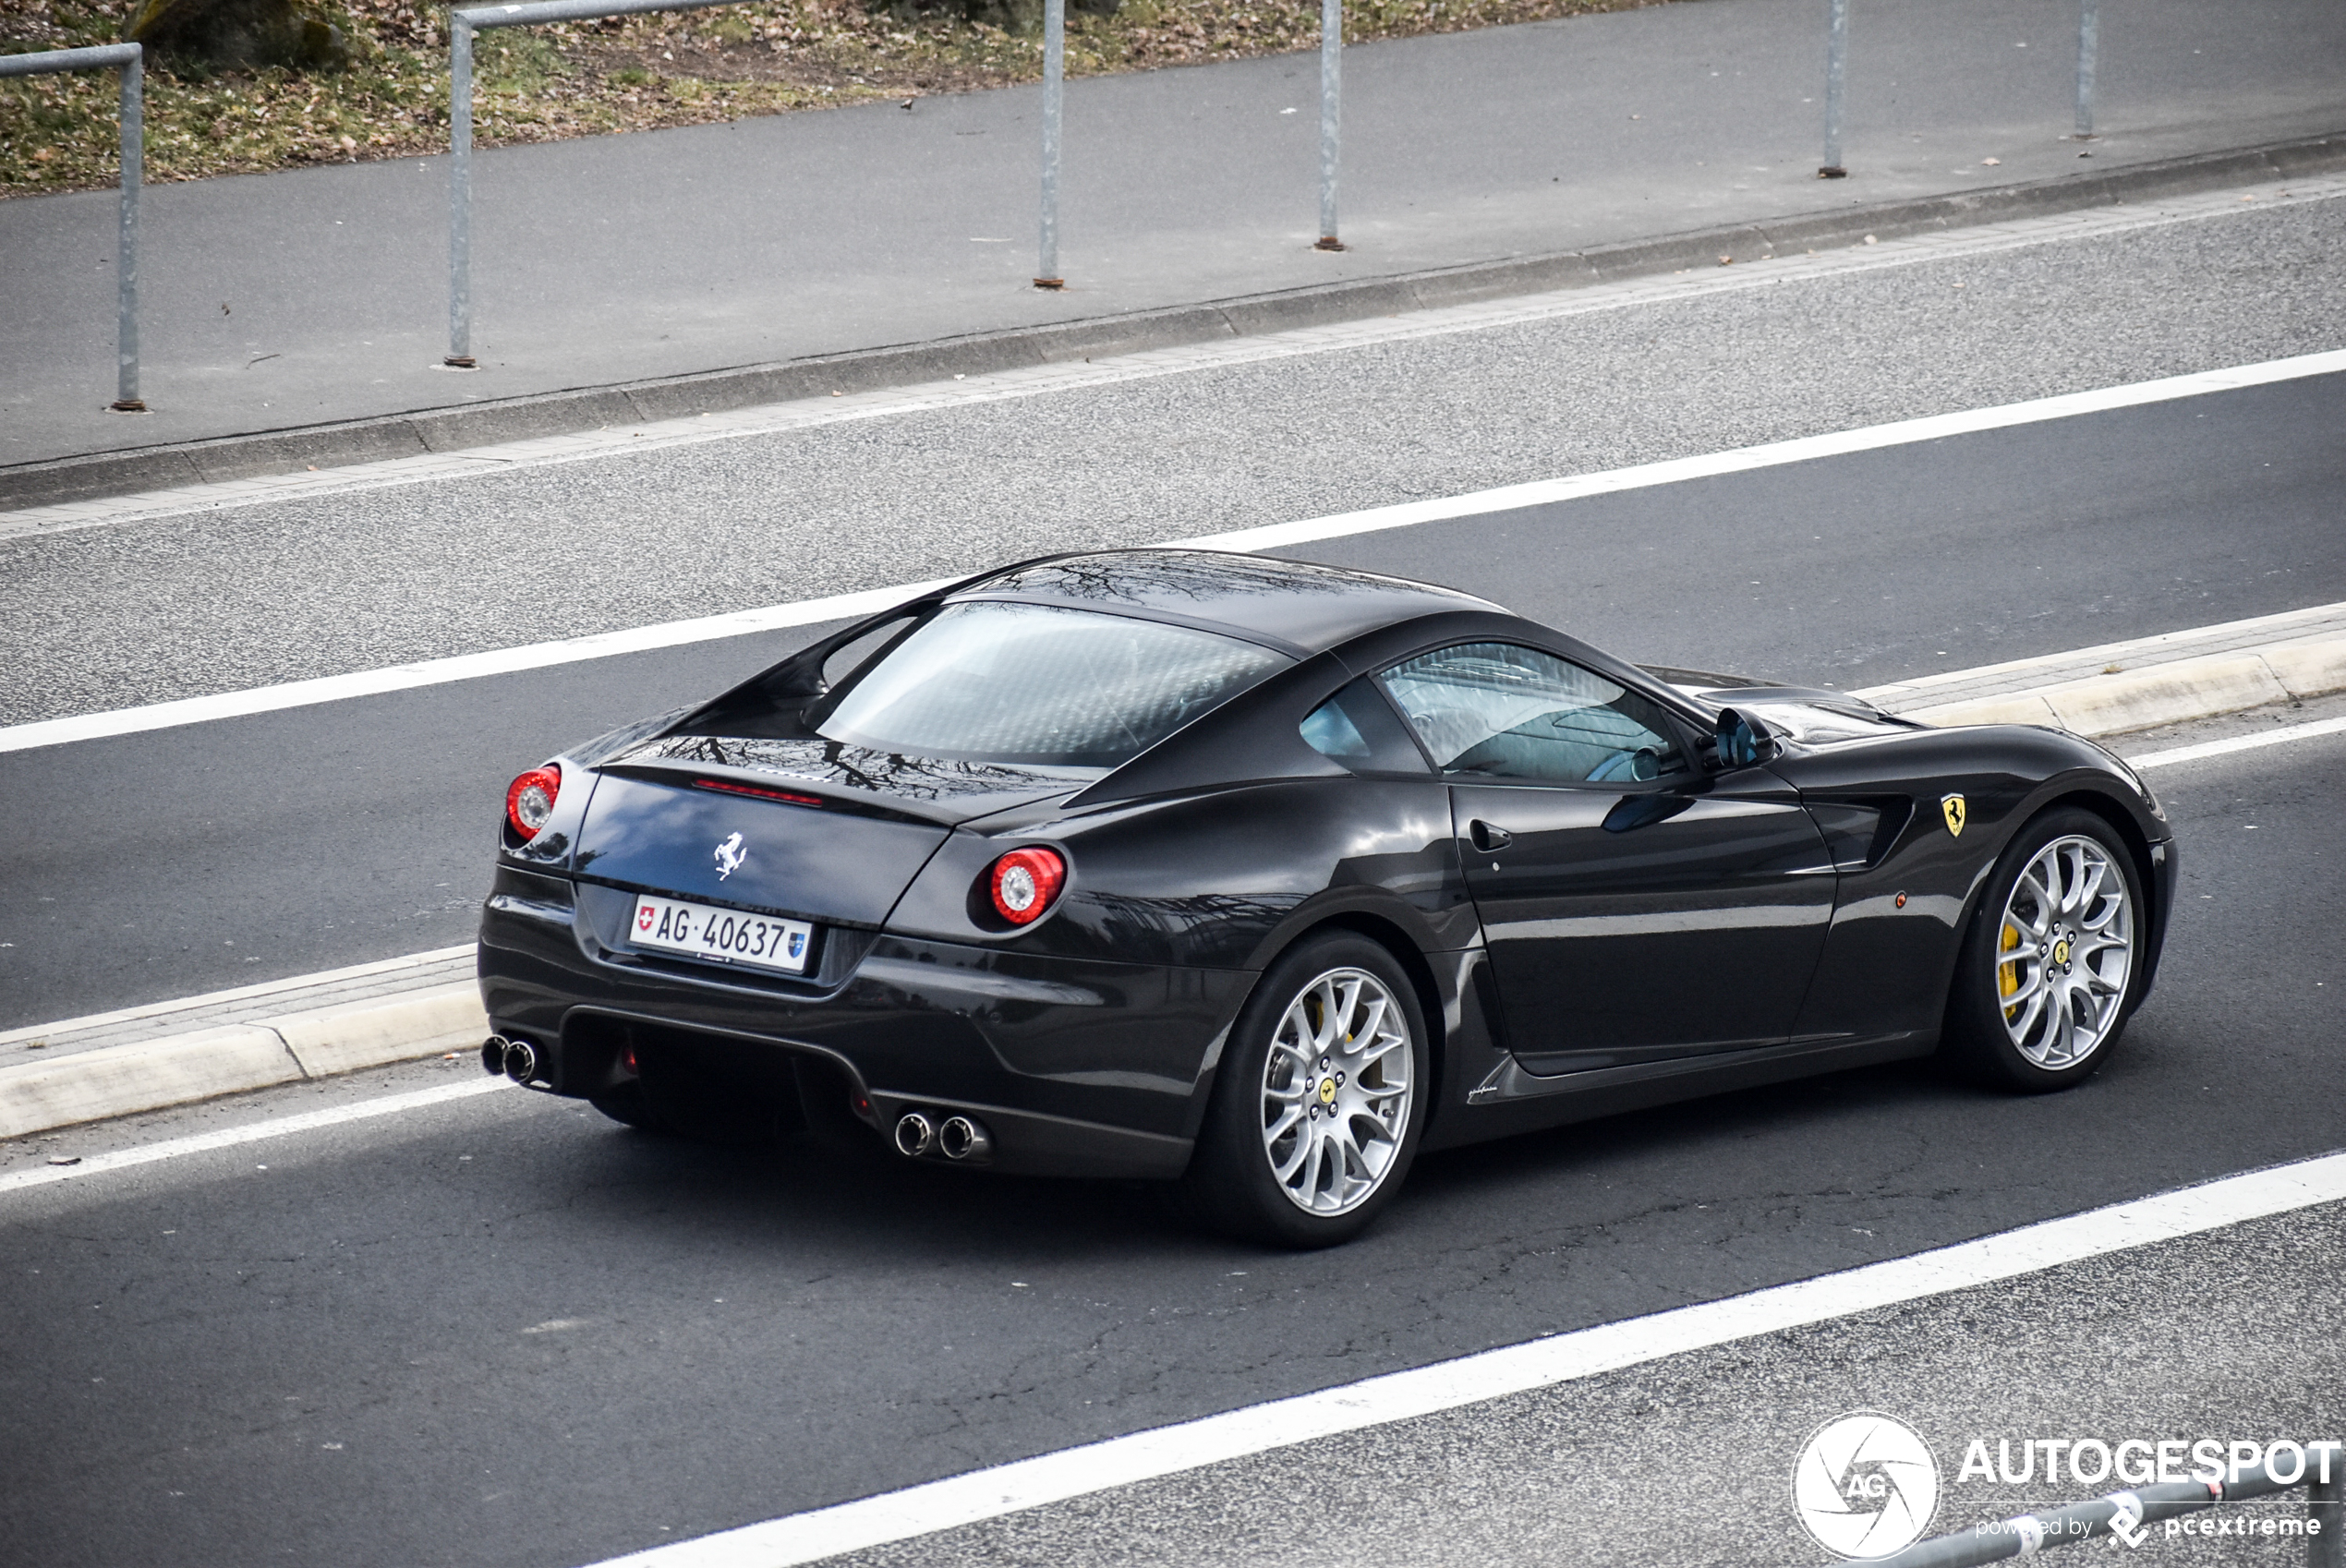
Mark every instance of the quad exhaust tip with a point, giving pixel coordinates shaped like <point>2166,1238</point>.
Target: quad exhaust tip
<point>915,1135</point>
<point>956,1137</point>
<point>517,1059</point>
<point>962,1139</point>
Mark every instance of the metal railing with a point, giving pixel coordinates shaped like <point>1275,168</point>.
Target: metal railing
<point>1046,244</point>
<point>131,59</point>
<point>1837,60</point>
<point>2130,1515</point>
<point>462,25</point>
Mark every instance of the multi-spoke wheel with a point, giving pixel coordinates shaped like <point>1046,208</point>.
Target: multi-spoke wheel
<point>1318,1100</point>
<point>1337,1084</point>
<point>2047,971</point>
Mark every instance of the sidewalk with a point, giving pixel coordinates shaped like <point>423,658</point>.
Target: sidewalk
<point>288,300</point>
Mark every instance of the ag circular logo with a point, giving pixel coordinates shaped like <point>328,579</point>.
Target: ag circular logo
<point>1866,1486</point>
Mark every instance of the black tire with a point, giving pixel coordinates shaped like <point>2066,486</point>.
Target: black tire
<point>1986,1008</point>
<point>1232,1186</point>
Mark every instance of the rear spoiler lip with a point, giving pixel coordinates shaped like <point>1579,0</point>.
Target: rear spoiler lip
<point>948,814</point>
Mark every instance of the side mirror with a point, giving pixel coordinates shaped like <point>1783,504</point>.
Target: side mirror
<point>1743,741</point>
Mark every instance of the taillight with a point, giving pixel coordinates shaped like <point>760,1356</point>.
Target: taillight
<point>1024,882</point>
<point>529,800</point>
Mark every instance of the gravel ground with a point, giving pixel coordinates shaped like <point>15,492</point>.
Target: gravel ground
<point>143,612</point>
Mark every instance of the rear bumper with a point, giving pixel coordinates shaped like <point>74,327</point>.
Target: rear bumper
<point>1076,1067</point>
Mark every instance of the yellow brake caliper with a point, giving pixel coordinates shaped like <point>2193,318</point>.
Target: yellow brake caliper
<point>2008,974</point>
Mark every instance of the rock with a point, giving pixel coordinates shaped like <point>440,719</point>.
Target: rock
<point>241,32</point>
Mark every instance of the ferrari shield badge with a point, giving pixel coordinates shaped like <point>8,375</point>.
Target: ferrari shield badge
<point>1952,807</point>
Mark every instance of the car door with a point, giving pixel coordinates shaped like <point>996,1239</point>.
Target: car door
<point>1637,905</point>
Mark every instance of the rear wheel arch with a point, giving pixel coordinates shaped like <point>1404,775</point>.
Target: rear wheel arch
<point>1396,940</point>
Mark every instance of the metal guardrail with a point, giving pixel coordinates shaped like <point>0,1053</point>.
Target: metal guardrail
<point>1837,60</point>
<point>2129,1514</point>
<point>462,25</point>
<point>131,59</point>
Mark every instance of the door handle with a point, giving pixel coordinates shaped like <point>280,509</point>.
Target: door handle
<point>1487,837</point>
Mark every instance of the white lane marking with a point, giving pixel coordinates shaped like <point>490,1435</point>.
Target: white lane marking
<point>539,656</point>
<point>2240,743</point>
<point>255,1132</point>
<point>1804,449</point>
<point>1517,1369</point>
<point>464,667</point>
<point>1039,380</point>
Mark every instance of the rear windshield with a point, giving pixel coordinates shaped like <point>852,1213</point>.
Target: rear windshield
<point>1039,685</point>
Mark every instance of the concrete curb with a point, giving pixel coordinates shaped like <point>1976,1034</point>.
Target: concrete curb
<point>121,1081</point>
<point>585,408</point>
<point>2123,701</point>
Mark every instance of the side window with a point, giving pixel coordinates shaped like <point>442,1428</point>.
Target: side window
<point>1357,727</point>
<point>1496,711</point>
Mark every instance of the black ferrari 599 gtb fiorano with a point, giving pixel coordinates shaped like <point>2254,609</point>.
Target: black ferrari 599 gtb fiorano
<point>1260,877</point>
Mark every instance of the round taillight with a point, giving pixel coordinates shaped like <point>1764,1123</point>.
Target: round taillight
<point>1024,882</point>
<point>529,800</point>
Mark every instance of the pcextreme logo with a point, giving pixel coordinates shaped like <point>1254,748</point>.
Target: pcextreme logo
<point>1866,1485</point>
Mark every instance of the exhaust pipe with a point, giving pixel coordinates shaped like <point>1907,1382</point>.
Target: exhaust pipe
<point>492,1055</point>
<point>915,1135</point>
<point>521,1060</point>
<point>963,1138</point>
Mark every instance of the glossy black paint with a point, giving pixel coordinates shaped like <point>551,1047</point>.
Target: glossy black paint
<point>1580,948</point>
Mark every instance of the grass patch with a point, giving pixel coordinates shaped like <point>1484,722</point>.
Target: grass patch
<point>635,73</point>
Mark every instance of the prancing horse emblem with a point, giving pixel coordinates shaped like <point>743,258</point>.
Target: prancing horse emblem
<point>729,854</point>
<point>1951,804</point>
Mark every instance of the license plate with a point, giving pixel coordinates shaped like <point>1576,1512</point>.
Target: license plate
<point>724,935</point>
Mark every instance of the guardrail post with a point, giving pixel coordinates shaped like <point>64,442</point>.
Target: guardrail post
<point>1047,267</point>
<point>130,59</point>
<point>1836,56</point>
<point>460,191</point>
<point>134,175</point>
<point>1331,116</point>
<point>2089,47</point>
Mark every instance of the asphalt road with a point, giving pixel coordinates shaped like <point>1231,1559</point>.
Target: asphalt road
<point>294,299</point>
<point>157,865</point>
<point>506,1332</point>
<point>250,594</point>
<point>185,860</point>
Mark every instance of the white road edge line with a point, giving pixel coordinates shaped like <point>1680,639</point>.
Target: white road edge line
<point>2282,737</point>
<point>537,655</point>
<point>1517,1369</point>
<point>254,1132</point>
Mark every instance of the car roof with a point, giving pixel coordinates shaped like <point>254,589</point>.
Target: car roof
<point>1305,606</point>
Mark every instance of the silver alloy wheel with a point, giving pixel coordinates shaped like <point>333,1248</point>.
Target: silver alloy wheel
<point>1335,1092</point>
<point>2064,952</point>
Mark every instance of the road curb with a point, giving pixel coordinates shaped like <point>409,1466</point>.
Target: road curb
<point>457,429</point>
<point>2121,702</point>
<point>322,1043</point>
<point>121,1081</point>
